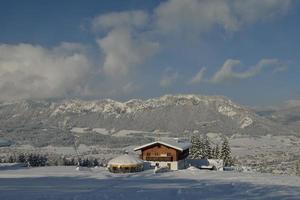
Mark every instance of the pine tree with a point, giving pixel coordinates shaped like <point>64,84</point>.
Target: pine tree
<point>226,153</point>
<point>43,160</point>
<point>11,159</point>
<point>21,158</point>
<point>72,162</point>
<point>79,162</point>
<point>29,160</point>
<point>194,148</point>
<point>216,152</point>
<point>298,168</point>
<point>65,161</point>
<point>201,148</point>
<point>206,152</point>
<point>95,163</point>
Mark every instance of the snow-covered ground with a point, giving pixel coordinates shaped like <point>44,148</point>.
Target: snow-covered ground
<point>67,183</point>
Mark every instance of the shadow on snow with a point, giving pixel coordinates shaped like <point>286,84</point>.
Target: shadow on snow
<point>138,188</point>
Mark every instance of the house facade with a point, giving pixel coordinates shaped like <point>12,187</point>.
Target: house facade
<point>171,153</point>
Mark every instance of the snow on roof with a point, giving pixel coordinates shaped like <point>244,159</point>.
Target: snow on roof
<point>176,144</point>
<point>125,159</point>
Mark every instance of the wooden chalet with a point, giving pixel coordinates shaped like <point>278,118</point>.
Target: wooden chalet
<point>166,153</point>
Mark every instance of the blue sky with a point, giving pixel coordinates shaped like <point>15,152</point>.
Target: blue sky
<point>245,50</point>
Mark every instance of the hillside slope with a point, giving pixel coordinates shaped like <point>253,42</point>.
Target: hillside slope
<point>285,116</point>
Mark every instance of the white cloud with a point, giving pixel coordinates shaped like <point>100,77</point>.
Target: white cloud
<point>125,42</point>
<point>123,52</point>
<point>168,78</point>
<point>123,19</point>
<point>130,88</point>
<point>198,77</point>
<point>28,71</point>
<point>123,46</point>
<point>193,17</point>
<point>254,10</point>
<point>227,71</point>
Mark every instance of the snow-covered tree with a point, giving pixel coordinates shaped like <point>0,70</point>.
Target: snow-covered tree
<point>201,148</point>
<point>196,151</point>
<point>206,152</point>
<point>95,162</point>
<point>11,159</point>
<point>193,149</point>
<point>21,158</point>
<point>298,168</point>
<point>216,152</point>
<point>226,153</point>
<point>36,160</point>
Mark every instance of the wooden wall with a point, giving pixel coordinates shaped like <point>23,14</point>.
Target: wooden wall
<point>158,150</point>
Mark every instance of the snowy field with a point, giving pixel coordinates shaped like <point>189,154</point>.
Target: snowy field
<point>272,154</point>
<point>67,183</point>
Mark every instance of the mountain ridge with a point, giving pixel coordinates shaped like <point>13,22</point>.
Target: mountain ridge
<point>171,113</point>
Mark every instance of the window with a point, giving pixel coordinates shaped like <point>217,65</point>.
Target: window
<point>168,154</point>
<point>169,165</point>
<point>148,154</point>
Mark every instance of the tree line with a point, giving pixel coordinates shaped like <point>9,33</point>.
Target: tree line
<point>40,160</point>
<point>202,149</point>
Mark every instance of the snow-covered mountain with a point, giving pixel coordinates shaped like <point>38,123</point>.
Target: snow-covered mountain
<point>174,113</point>
<point>288,116</point>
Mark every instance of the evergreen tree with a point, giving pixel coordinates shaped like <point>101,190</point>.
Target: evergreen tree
<point>298,168</point>
<point>29,160</point>
<point>206,152</point>
<point>201,153</point>
<point>200,148</point>
<point>73,162</point>
<point>226,153</point>
<point>65,161</point>
<point>216,152</point>
<point>79,162</point>
<point>194,147</point>
<point>95,163</point>
<point>21,158</point>
<point>11,159</point>
<point>43,160</point>
<point>35,160</point>
<point>90,162</point>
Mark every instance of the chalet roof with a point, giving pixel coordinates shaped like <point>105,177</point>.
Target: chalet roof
<point>175,144</point>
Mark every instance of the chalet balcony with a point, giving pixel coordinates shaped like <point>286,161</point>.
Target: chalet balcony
<point>159,158</point>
